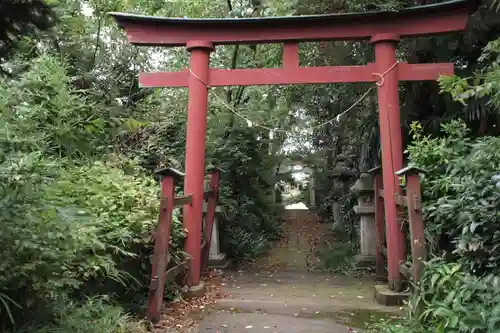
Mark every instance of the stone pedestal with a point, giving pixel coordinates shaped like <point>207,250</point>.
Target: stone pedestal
<point>385,296</point>
<point>366,211</point>
<point>216,259</point>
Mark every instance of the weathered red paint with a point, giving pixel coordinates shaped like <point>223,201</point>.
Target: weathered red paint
<point>160,254</point>
<point>195,153</point>
<point>379,227</point>
<point>291,55</point>
<point>392,153</point>
<point>416,221</point>
<point>292,74</point>
<point>210,216</point>
<point>177,32</point>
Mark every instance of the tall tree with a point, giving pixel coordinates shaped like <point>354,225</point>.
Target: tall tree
<point>19,18</point>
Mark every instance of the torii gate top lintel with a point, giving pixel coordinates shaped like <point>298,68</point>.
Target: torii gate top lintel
<point>415,21</point>
<point>384,29</point>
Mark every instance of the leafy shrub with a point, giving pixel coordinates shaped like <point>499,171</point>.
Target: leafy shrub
<point>348,227</point>
<point>338,257</point>
<point>245,245</point>
<point>41,247</point>
<point>461,194</point>
<point>123,209</point>
<point>75,229</point>
<point>455,301</point>
<point>123,206</point>
<point>250,220</point>
<point>95,315</point>
<point>56,118</point>
<point>450,300</point>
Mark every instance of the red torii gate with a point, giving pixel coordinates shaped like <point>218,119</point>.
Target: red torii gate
<point>383,29</point>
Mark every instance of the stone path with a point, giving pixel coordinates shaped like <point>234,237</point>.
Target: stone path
<point>279,293</point>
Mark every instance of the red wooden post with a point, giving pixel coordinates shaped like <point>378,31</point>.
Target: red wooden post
<point>416,221</point>
<point>160,254</point>
<point>384,29</point>
<point>195,152</point>
<point>392,150</point>
<point>209,218</point>
<point>379,225</point>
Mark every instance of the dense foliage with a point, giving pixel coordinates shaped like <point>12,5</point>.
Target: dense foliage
<point>79,141</point>
<point>459,289</point>
<point>452,301</point>
<point>79,144</point>
<point>461,192</point>
<point>461,195</point>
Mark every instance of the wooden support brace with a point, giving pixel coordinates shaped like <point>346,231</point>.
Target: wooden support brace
<point>415,217</point>
<point>209,193</point>
<point>379,224</point>
<point>401,200</point>
<point>184,200</point>
<point>162,239</point>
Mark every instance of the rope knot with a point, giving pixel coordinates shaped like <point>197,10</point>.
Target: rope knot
<point>380,77</point>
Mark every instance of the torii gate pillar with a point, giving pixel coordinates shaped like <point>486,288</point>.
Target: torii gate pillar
<point>195,152</point>
<point>392,150</point>
<point>383,29</point>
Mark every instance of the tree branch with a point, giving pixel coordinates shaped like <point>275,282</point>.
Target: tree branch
<point>98,38</point>
<point>234,60</point>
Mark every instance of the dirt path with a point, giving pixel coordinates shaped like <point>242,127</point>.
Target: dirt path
<point>296,251</point>
<point>281,293</point>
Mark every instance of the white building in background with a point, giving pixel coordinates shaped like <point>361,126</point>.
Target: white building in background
<point>299,205</point>
<point>300,174</point>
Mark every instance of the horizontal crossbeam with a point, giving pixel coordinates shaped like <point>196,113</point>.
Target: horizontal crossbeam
<point>419,21</point>
<point>299,75</point>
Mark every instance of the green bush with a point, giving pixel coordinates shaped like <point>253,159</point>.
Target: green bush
<point>41,246</point>
<point>461,194</point>
<point>57,119</point>
<point>86,229</point>
<point>450,300</point>
<point>338,257</point>
<point>95,315</point>
<point>453,300</point>
<point>123,209</point>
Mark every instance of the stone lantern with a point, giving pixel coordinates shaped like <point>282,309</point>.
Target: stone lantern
<point>216,259</point>
<point>366,210</point>
<point>341,176</point>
